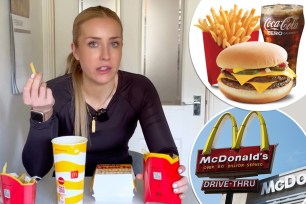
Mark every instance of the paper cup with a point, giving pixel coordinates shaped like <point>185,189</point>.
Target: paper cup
<point>69,158</point>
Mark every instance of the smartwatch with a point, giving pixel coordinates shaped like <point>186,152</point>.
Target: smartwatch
<point>37,116</point>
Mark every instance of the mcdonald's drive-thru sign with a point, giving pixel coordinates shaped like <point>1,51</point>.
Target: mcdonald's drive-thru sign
<point>237,161</point>
<point>286,187</point>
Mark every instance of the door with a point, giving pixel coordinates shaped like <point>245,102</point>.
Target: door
<point>183,123</point>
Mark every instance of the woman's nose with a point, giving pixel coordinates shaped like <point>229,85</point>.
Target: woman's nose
<point>104,53</point>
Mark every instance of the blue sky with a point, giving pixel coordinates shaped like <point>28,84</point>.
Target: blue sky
<point>282,130</point>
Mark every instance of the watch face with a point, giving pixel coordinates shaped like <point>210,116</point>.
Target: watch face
<point>37,116</point>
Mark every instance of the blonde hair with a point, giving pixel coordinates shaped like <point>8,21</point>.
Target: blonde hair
<point>74,67</point>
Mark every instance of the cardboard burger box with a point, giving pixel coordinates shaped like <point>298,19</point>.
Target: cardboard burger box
<point>113,182</point>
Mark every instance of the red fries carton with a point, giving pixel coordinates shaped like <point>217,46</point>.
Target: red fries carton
<point>160,171</point>
<point>17,190</point>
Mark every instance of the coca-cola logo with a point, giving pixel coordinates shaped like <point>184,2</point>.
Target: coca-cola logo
<point>289,23</point>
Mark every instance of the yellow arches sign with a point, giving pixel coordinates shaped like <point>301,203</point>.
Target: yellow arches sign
<point>237,161</point>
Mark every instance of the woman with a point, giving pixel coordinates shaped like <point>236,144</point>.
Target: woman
<point>96,100</point>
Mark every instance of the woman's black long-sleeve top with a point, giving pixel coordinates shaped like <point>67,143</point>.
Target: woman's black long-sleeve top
<point>135,99</point>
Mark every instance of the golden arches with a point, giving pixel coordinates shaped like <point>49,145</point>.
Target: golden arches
<point>211,137</point>
<point>237,135</point>
<point>263,131</point>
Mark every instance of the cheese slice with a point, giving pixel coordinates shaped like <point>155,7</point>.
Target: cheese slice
<point>261,87</point>
<point>243,78</point>
<point>236,70</point>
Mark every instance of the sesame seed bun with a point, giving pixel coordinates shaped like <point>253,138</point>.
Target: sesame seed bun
<point>252,55</point>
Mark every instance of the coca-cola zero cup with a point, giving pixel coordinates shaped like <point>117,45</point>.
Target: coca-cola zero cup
<point>283,24</point>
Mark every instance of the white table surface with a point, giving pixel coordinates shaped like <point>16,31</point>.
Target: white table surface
<point>46,193</point>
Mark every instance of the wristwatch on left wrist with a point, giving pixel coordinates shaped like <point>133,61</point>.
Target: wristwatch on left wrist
<point>37,116</point>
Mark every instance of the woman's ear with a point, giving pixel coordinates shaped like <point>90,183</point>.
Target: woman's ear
<point>74,51</point>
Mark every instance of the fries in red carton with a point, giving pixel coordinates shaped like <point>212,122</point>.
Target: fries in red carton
<point>16,189</point>
<point>160,172</point>
<point>223,29</point>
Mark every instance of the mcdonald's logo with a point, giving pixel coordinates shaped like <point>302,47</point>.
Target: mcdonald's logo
<point>237,161</point>
<point>74,174</point>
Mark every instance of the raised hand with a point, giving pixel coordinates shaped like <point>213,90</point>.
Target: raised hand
<point>38,96</point>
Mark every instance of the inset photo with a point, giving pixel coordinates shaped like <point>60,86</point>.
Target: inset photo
<point>250,55</point>
<point>249,157</point>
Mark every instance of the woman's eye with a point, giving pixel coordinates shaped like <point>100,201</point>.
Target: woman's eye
<point>93,44</point>
<point>115,44</point>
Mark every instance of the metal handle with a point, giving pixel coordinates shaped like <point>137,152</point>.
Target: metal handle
<point>196,105</point>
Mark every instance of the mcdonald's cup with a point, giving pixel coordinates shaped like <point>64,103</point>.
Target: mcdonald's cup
<point>69,158</point>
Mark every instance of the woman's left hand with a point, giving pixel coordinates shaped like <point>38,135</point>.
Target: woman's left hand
<point>181,186</point>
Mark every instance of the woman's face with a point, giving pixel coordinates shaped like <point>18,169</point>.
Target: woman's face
<point>99,50</point>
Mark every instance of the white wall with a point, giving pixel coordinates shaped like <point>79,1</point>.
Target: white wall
<point>65,12</point>
<point>14,115</point>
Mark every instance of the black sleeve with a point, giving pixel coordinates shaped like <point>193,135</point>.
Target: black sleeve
<point>37,155</point>
<point>154,124</point>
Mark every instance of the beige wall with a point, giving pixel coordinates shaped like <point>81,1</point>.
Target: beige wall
<point>14,115</point>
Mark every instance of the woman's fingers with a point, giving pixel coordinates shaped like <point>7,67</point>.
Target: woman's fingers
<point>139,176</point>
<point>37,95</point>
<point>181,186</point>
<point>26,94</point>
<point>180,183</point>
<point>50,98</point>
<point>36,86</point>
<point>181,169</point>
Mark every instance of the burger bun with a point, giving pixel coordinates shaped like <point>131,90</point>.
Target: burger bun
<point>252,96</point>
<point>252,55</point>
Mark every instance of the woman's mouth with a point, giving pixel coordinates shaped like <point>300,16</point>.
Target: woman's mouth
<point>104,69</point>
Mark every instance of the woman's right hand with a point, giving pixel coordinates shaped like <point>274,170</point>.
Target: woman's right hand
<point>37,95</point>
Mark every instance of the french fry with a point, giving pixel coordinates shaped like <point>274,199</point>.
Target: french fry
<point>4,168</point>
<point>239,14</point>
<point>245,38</point>
<point>243,34</point>
<point>214,36</point>
<point>232,40</point>
<point>257,27</point>
<point>249,18</point>
<point>213,12</point>
<point>233,29</point>
<point>219,40</point>
<point>32,68</point>
<point>211,22</point>
<point>249,31</point>
<point>224,35</point>
<point>237,40</point>
<point>206,26</point>
<point>235,13</point>
<point>254,21</point>
<point>225,44</point>
<point>21,178</point>
<point>239,32</point>
<point>244,16</point>
<point>228,27</point>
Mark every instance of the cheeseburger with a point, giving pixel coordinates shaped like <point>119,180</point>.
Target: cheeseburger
<point>254,72</point>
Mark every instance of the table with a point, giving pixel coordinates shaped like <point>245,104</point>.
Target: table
<point>46,193</point>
